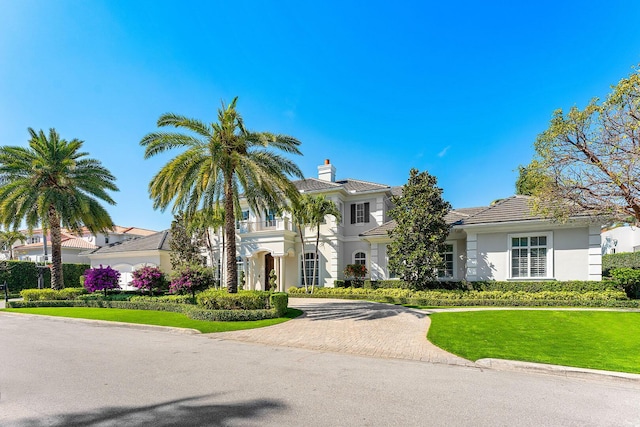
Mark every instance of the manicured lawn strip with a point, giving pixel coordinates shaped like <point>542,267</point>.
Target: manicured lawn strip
<point>585,339</point>
<point>149,317</point>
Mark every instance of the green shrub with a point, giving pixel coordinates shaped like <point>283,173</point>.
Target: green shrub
<point>279,302</point>
<point>337,284</point>
<point>24,275</point>
<point>621,260</point>
<point>220,299</point>
<point>51,294</point>
<point>173,299</point>
<point>628,279</point>
<point>231,315</point>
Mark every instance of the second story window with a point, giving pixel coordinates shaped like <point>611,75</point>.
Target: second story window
<point>359,213</point>
<point>270,218</point>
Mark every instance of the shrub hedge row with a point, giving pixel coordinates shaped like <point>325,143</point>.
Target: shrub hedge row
<point>24,275</point>
<point>621,260</point>
<point>601,298</point>
<point>529,286</point>
<point>51,294</point>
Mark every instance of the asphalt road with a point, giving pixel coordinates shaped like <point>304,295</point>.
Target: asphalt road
<point>64,373</point>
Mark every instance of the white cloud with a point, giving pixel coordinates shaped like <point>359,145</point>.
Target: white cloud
<point>444,151</point>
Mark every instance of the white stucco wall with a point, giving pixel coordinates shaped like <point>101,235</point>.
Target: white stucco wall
<point>620,239</point>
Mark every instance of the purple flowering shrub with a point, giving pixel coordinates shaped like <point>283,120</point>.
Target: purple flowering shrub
<point>149,278</point>
<point>101,278</point>
<point>190,278</point>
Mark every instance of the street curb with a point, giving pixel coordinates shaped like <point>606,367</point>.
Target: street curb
<point>96,322</point>
<point>565,371</point>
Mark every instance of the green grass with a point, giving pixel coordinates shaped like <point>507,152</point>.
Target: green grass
<point>586,339</point>
<point>149,317</point>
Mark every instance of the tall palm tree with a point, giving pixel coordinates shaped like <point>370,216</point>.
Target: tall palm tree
<point>9,237</point>
<point>51,183</point>
<point>221,160</point>
<point>317,209</point>
<point>300,217</point>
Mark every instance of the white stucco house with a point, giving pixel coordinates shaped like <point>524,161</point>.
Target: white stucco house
<point>620,238</point>
<point>129,255</point>
<point>504,241</point>
<point>73,244</point>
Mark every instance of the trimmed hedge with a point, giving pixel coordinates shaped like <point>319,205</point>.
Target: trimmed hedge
<point>220,299</point>
<point>528,286</point>
<point>24,275</point>
<point>51,294</point>
<point>601,298</point>
<point>621,260</point>
<point>187,309</point>
<point>279,301</point>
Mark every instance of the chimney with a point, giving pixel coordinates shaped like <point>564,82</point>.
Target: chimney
<point>327,172</point>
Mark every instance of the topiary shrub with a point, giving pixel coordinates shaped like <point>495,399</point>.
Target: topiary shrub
<point>213,299</point>
<point>279,302</point>
<point>101,279</point>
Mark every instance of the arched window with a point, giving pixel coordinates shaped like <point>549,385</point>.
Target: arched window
<point>360,258</point>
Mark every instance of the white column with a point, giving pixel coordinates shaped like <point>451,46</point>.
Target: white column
<point>595,253</point>
<point>472,257</point>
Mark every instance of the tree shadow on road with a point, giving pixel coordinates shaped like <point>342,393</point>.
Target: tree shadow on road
<point>171,413</point>
<point>354,311</point>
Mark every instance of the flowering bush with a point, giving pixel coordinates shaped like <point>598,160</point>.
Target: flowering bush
<point>148,278</point>
<point>357,271</point>
<point>190,278</point>
<point>101,278</point>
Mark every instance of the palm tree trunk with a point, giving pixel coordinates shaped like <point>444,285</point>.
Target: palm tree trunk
<point>304,260</point>
<point>230,231</point>
<point>315,261</point>
<point>56,249</point>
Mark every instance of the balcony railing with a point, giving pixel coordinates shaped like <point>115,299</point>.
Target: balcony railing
<point>277,224</point>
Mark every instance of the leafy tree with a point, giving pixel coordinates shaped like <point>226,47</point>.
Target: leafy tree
<point>531,179</point>
<point>101,279</point>
<point>418,239</point>
<point>591,157</point>
<point>52,183</point>
<point>200,225</point>
<point>221,160</point>
<point>318,208</point>
<point>149,278</point>
<point>190,278</point>
<point>8,238</point>
<point>184,248</point>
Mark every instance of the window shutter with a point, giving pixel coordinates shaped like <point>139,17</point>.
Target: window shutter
<point>353,213</point>
<point>366,212</point>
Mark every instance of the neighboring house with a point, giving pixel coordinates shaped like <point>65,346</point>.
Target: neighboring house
<point>499,242</point>
<point>73,244</point>
<point>620,238</point>
<point>129,255</point>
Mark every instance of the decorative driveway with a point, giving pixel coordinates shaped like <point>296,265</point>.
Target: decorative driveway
<point>354,327</point>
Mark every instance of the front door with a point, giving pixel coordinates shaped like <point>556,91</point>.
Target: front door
<point>268,266</point>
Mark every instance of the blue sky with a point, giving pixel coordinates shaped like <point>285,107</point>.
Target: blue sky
<point>460,89</point>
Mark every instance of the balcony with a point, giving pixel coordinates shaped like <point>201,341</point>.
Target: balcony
<point>269,224</point>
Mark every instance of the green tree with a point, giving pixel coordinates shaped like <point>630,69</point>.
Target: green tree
<point>200,225</point>
<point>591,157</point>
<point>52,183</point>
<point>184,248</point>
<point>9,237</point>
<point>318,208</point>
<point>221,160</point>
<point>531,179</point>
<point>418,239</point>
<point>300,217</point>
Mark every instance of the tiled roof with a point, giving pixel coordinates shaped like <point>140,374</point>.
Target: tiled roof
<point>67,242</point>
<point>349,185</point>
<point>158,241</point>
<point>514,208</point>
<point>381,230</point>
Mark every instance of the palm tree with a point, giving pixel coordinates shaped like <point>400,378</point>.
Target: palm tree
<point>221,160</point>
<point>51,183</point>
<point>300,217</point>
<point>8,238</point>
<point>317,209</point>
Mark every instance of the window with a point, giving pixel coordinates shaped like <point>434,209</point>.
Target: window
<point>448,257</point>
<point>341,209</point>
<point>360,258</point>
<point>270,218</point>
<point>306,266</point>
<point>359,213</point>
<point>106,240</point>
<point>245,215</point>
<point>530,255</point>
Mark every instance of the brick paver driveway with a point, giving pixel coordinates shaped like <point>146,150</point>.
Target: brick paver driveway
<point>355,327</point>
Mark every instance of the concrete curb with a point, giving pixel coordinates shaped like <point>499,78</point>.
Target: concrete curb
<point>564,371</point>
<point>139,326</point>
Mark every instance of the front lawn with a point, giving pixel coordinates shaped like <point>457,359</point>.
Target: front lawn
<point>586,339</point>
<point>149,317</point>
